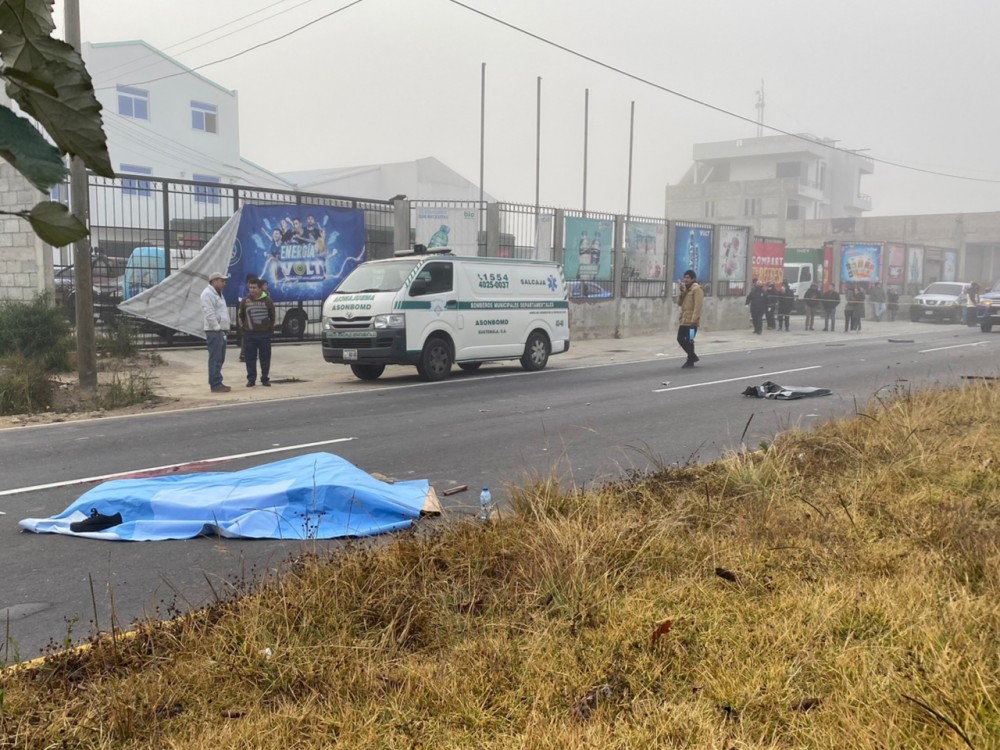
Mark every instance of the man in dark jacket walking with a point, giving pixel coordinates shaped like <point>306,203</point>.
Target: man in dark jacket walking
<point>831,300</point>
<point>786,303</point>
<point>772,305</point>
<point>812,302</point>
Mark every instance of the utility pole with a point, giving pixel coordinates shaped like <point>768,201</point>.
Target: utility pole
<point>83,282</point>
<point>760,109</point>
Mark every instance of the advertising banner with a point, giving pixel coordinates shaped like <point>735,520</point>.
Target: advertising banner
<point>768,261</point>
<point>895,261</point>
<point>543,237</point>
<point>732,265</point>
<point>454,228</point>
<point>645,251</point>
<point>693,252</point>
<point>860,264</point>
<point>950,271</point>
<point>587,254</point>
<point>914,265</point>
<point>827,263</point>
<point>303,252</point>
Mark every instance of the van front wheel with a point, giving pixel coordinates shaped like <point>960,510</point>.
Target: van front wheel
<point>367,372</point>
<point>435,360</point>
<point>536,352</point>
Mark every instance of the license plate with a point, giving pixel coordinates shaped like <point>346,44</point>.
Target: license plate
<point>350,353</point>
<point>928,312</point>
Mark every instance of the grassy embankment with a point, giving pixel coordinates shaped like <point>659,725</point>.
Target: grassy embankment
<point>837,590</point>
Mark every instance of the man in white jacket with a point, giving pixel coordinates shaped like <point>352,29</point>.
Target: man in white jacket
<point>216,314</point>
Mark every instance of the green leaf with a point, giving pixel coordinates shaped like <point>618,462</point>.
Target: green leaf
<point>27,150</point>
<point>55,224</point>
<point>35,66</point>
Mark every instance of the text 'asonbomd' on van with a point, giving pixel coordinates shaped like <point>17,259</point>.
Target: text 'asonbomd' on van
<point>436,309</point>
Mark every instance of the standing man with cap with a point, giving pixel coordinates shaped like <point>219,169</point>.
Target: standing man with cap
<point>690,300</point>
<point>216,314</point>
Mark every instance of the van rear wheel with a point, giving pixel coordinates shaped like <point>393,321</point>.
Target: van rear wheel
<point>367,372</point>
<point>536,352</point>
<point>435,359</point>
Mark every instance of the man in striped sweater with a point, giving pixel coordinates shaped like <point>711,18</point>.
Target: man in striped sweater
<point>256,316</point>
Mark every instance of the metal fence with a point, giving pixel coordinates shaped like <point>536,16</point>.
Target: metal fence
<point>148,226</point>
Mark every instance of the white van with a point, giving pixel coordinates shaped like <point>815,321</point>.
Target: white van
<point>437,309</point>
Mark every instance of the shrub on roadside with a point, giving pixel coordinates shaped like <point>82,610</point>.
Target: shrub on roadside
<point>36,330</point>
<point>24,385</point>
<point>119,339</point>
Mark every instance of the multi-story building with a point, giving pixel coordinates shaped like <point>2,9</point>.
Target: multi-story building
<point>764,182</point>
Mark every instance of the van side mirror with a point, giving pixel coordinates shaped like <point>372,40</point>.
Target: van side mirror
<point>418,287</point>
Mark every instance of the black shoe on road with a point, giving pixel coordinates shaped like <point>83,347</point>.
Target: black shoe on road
<point>96,522</point>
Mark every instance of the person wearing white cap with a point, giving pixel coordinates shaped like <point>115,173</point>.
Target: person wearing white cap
<point>216,314</point>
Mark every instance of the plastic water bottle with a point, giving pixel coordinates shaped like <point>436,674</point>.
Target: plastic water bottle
<point>485,504</point>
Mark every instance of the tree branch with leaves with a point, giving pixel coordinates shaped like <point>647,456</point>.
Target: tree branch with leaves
<point>48,80</point>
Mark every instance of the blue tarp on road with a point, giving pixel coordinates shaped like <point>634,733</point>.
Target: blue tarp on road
<point>316,496</point>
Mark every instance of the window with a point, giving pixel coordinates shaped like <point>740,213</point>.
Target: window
<point>206,193</point>
<point>205,117</point>
<point>709,209</point>
<point>142,188</point>
<point>751,206</point>
<point>133,102</point>
<point>794,210</point>
<point>434,278</point>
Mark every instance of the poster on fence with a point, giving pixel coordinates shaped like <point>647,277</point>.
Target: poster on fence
<point>692,252</point>
<point>768,262</point>
<point>895,259</point>
<point>455,228</point>
<point>861,263</point>
<point>543,237</point>
<point>914,264</point>
<point>587,254</point>
<point>302,251</point>
<point>732,258</point>
<point>645,251</point>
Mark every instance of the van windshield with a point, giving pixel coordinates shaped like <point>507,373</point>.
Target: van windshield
<point>377,277</point>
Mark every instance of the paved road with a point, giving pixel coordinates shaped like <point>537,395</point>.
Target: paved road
<point>583,422</point>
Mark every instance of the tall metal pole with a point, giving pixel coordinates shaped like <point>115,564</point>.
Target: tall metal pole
<point>83,282</point>
<point>586,122</point>
<point>631,140</point>
<point>482,150</point>
<point>482,134</point>
<point>538,148</point>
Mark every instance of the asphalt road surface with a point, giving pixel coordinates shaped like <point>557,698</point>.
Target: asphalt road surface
<point>585,425</point>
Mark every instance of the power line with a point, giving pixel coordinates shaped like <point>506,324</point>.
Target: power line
<point>713,107</point>
<point>250,49</point>
<point>133,67</point>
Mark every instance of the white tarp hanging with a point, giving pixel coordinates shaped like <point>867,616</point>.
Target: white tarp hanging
<point>174,302</point>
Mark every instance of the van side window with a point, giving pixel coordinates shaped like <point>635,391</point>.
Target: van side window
<point>437,278</point>
<point>806,273</point>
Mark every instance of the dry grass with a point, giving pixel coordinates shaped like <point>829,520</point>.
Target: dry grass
<point>838,590</point>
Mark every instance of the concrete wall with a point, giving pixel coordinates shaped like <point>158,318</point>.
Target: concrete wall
<point>601,319</point>
<point>25,261</point>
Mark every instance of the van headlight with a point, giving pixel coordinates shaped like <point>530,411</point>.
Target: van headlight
<point>327,325</point>
<point>392,320</point>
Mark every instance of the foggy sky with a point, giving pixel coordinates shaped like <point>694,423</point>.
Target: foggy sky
<point>397,80</point>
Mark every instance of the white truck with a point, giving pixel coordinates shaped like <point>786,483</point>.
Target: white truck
<point>800,276</point>
<point>432,310</point>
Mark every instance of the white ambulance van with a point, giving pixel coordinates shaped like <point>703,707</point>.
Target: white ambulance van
<point>432,310</point>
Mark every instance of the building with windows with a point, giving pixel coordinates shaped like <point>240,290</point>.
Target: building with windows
<point>164,119</point>
<point>765,182</point>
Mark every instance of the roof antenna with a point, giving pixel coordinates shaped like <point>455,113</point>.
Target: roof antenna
<point>760,109</point>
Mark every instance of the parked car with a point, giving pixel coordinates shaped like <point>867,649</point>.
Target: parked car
<point>586,290</point>
<point>942,300</point>
<point>107,285</point>
<point>988,309</point>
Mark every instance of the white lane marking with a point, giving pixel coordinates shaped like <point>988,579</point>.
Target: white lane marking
<point>732,380</point>
<point>954,346</point>
<point>169,467</point>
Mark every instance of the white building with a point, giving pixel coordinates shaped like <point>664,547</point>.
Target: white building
<point>764,182</point>
<point>166,120</point>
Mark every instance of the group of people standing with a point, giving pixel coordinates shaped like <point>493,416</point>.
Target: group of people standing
<point>773,303</point>
<point>777,301</point>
